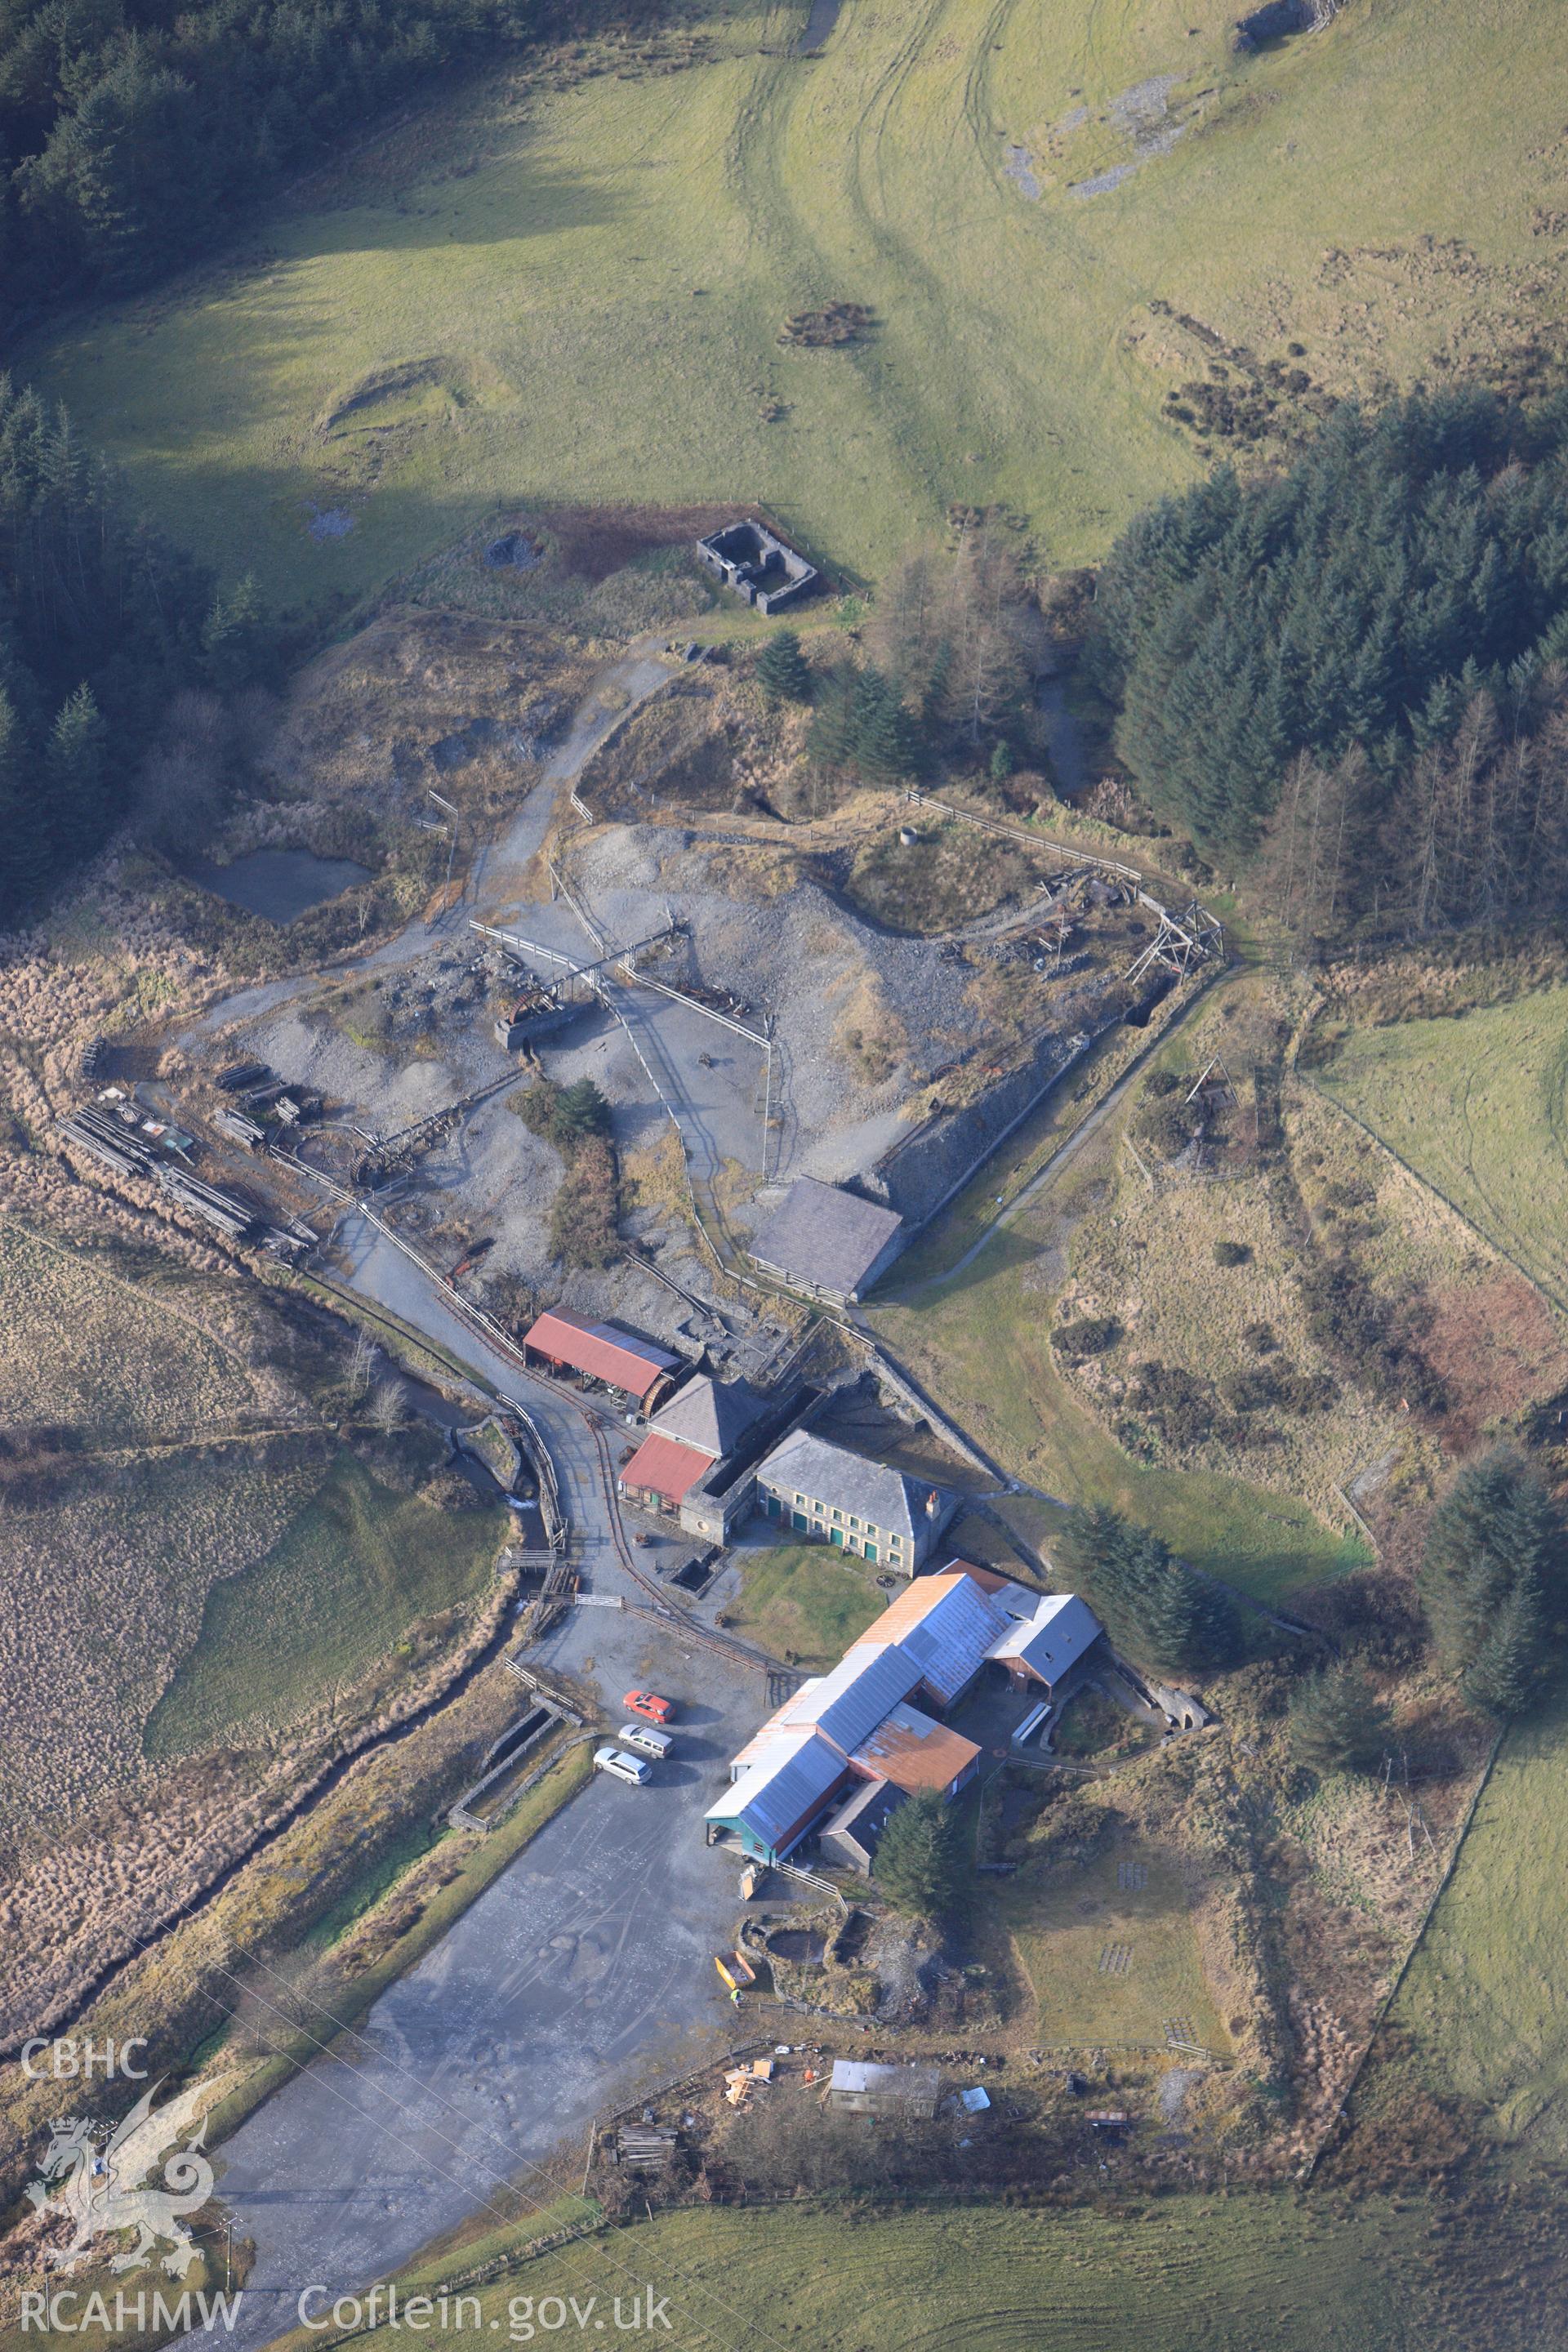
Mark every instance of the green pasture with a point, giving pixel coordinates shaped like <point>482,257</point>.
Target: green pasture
<point>1485,2004</point>
<point>357,1567</point>
<point>1477,1105</point>
<point>1251,2274</point>
<point>803,1602</point>
<point>1110,1952</point>
<point>561,292</point>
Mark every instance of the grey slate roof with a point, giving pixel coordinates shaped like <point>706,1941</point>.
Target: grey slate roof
<point>821,1235</point>
<point>1062,1628</point>
<point>712,1414</point>
<point>894,1503</point>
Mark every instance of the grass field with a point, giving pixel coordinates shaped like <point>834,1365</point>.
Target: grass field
<point>357,1565</point>
<point>1250,2274</point>
<point>572,291</point>
<point>1479,1107</point>
<point>1070,1938</point>
<point>803,1602</point>
<point>1486,2001</point>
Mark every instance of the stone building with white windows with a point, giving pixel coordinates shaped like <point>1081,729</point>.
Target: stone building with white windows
<point>814,1488</point>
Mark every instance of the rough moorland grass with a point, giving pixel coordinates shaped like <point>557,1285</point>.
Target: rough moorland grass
<point>83,1345</point>
<point>1062,1929</point>
<point>1479,1107</point>
<point>359,1565</point>
<point>581,294</point>
<point>979,1343</point>
<point>1486,2001</point>
<point>1253,2272</point>
<point>805,1602</point>
<point>106,1577</point>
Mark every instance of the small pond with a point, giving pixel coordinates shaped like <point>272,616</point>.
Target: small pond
<point>279,883</point>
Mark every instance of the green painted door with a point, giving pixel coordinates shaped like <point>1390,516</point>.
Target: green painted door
<point>835,1535</point>
<point>871,1553</point>
<point>798,1519</point>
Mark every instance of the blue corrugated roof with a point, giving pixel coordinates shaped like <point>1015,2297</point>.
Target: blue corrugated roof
<point>950,1643</point>
<point>852,1700</point>
<point>775,1797</point>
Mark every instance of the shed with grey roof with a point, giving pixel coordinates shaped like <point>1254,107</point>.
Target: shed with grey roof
<point>827,1242</point>
<point>859,2088</point>
<point>783,1795</point>
<point>1045,1647</point>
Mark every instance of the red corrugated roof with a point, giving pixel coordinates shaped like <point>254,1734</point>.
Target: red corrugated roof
<point>664,1467</point>
<point>617,1357</point>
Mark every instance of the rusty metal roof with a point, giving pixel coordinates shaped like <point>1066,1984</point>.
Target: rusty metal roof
<point>621,1358</point>
<point>664,1467</point>
<point>915,1752</point>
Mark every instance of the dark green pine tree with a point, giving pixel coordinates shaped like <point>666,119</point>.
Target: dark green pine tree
<point>782,672</point>
<point>582,1109</point>
<point>76,772</point>
<point>1506,1675</point>
<point>25,848</point>
<point>885,746</point>
<point>1495,1555</point>
<point>830,738</point>
<point>234,637</point>
<point>1089,1546</point>
<point>1338,1723</point>
<point>919,1864</point>
<point>1180,1621</point>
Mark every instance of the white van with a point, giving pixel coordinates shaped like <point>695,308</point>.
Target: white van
<point>624,1766</point>
<point>646,1740</point>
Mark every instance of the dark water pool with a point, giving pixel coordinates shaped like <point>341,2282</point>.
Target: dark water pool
<point>279,883</point>
<point>819,24</point>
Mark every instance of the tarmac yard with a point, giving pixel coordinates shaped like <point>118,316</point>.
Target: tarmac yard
<point>584,1973</point>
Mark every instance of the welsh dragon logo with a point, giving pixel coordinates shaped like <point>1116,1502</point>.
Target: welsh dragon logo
<point>100,2178</point>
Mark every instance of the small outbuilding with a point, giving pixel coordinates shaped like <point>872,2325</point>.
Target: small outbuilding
<point>895,2093</point>
<point>848,1839</point>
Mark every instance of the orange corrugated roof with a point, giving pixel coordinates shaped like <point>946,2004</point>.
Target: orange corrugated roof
<point>914,1603</point>
<point>665,1467</point>
<point>914,1752</point>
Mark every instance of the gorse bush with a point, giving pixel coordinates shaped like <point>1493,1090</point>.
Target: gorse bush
<point>584,1212</point>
